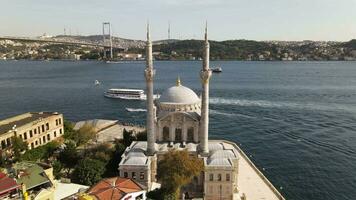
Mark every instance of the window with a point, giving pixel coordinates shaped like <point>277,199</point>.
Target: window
<point>25,135</point>
<point>36,142</point>
<point>44,139</point>
<point>142,175</point>
<point>190,134</point>
<point>39,139</point>
<point>178,134</point>
<point>227,177</point>
<point>165,133</point>
<point>55,134</point>
<point>56,122</point>
<point>31,135</point>
<point>48,137</point>
<point>43,129</point>
<point>20,136</point>
<point>125,174</point>
<point>39,130</point>
<point>35,131</point>
<point>219,177</point>
<point>32,145</point>
<point>133,175</point>
<point>60,121</point>
<point>47,126</point>
<point>211,177</point>
<point>8,141</point>
<point>3,144</point>
<point>60,131</point>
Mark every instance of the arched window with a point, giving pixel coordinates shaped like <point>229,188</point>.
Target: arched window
<point>190,134</point>
<point>165,133</point>
<point>178,134</point>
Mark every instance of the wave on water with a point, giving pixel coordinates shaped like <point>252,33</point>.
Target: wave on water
<point>136,110</point>
<point>276,104</point>
<point>216,112</point>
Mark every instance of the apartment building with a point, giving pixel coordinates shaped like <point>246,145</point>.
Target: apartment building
<point>36,128</point>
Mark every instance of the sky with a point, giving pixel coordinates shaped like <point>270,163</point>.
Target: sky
<point>227,19</point>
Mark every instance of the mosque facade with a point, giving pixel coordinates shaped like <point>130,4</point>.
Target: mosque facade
<point>179,120</point>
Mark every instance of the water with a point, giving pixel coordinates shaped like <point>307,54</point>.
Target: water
<point>296,119</point>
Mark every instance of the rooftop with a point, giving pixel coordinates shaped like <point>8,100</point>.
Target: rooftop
<point>7,184</point>
<point>179,94</point>
<point>251,181</point>
<point>114,188</point>
<point>30,174</point>
<point>23,119</point>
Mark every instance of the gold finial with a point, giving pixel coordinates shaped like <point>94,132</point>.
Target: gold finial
<point>178,81</point>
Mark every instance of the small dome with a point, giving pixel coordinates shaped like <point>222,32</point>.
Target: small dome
<point>179,94</point>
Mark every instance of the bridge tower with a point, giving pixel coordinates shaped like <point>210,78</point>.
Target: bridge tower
<point>107,36</point>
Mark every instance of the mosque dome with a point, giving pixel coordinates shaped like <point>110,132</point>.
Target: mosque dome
<point>179,97</point>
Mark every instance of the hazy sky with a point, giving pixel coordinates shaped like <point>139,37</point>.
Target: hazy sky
<point>227,19</point>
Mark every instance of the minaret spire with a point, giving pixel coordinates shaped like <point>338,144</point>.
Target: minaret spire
<point>205,75</point>
<point>149,75</point>
<point>206,31</point>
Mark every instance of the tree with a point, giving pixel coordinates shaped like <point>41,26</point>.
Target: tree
<point>43,152</point>
<point>141,136</point>
<point>176,169</point>
<point>112,166</point>
<point>80,136</point>
<point>57,168</point>
<point>69,156</point>
<point>18,146</point>
<point>128,137</point>
<point>88,171</point>
<point>85,133</point>
<point>102,152</point>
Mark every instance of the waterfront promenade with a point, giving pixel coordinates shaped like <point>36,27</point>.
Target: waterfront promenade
<point>251,181</point>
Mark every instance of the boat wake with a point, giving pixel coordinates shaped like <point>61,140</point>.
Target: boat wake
<point>216,112</point>
<point>136,110</point>
<point>270,104</point>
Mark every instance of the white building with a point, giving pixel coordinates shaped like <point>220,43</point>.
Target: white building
<point>180,120</point>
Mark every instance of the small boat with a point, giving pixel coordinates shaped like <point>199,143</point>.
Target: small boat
<point>128,94</point>
<point>216,69</point>
<point>113,62</point>
<point>96,82</point>
<point>136,110</point>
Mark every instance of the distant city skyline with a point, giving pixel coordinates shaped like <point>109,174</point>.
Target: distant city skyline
<point>291,20</point>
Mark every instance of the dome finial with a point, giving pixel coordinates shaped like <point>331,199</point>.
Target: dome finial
<point>178,81</point>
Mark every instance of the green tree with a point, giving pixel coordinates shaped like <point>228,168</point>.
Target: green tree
<point>85,133</point>
<point>18,146</point>
<point>128,137</point>
<point>176,169</point>
<point>43,152</point>
<point>112,166</point>
<point>57,168</point>
<point>141,136</point>
<point>102,152</point>
<point>88,171</point>
<point>69,157</point>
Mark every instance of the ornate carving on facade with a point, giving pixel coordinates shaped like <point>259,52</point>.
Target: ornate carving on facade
<point>205,76</point>
<point>150,74</point>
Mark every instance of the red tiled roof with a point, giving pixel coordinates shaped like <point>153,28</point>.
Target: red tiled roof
<point>7,184</point>
<point>114,188</point>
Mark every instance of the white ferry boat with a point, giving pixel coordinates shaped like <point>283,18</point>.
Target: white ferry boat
<point>129,94</point>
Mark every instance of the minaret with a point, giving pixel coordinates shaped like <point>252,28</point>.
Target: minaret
<point>149,74</point>
<point>205,75</point>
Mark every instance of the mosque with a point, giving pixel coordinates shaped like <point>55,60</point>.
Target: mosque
<point>180,120</point>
